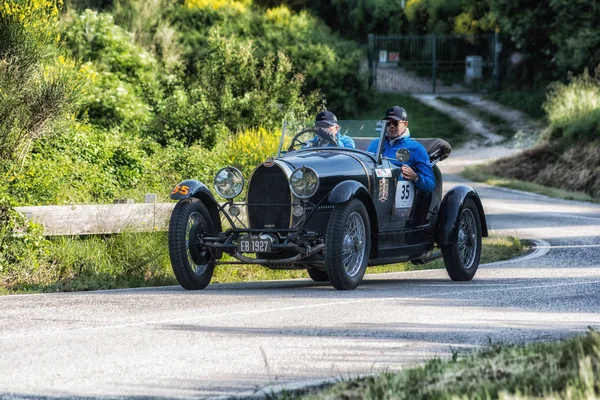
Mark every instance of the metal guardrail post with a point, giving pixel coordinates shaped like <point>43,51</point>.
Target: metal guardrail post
<point>371,58</point>
<point>496,54</point>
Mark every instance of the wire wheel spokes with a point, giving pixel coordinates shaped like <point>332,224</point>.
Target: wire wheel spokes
<point>353,246</point>
<point>467,239</point>
<point>194,219</point>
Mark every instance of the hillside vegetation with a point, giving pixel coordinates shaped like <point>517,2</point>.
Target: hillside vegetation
<point>104,100</point>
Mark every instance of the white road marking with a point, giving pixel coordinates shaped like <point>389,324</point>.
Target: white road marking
<point>541,247</point>
<point>574,246</point>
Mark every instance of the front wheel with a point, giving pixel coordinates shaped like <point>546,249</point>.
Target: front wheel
<point>347,244</point>
<point>462,258</point>
<point>192,264</point>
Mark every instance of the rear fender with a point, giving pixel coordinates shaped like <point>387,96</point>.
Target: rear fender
<point>347,190</point>
<point>450,210</point>
<point>193,188</point>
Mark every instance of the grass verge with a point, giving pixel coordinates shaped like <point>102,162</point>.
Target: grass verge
<point>138,260</point>
<point>528,100</point>
<point>483,173</point>
<point>499,125</point>
<point>568,369</point>
<point>424,120</point>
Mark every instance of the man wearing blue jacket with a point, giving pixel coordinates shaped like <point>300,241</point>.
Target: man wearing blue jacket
<point>418,168</point>
<point>327,121</point>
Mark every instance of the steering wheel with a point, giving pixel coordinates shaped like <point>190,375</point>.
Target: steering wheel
<point>322,133</point>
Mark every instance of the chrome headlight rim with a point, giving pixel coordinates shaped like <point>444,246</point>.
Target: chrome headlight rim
<point>239,187</point>
<point>304,169</point>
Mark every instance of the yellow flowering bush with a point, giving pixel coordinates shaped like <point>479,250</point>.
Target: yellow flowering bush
<point>240,6</point>
<point>251,147</point>
<point>32,14</point>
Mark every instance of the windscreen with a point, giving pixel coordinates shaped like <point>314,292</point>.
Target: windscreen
<point>356,134</point>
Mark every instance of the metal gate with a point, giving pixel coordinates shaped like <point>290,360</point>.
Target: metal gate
<point>433,63</point>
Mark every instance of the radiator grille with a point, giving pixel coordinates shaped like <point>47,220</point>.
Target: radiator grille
<point>269,198</point>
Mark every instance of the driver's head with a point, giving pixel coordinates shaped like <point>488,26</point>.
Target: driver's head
<point>397,121</point>
<point>328,121</point>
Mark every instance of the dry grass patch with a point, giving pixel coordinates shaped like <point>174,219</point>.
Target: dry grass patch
<point>573,174</point>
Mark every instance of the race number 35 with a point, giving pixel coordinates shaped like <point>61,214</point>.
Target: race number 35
<point>405,193</point>
<point>181,189</point>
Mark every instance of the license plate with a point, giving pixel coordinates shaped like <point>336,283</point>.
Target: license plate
<point>254,244</point>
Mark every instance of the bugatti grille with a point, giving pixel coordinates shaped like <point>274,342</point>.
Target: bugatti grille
<point>269,199</point>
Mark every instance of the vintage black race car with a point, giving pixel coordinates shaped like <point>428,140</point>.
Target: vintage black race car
<point>330,210</point>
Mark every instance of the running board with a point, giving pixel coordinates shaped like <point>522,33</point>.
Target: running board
<point>433,257</point>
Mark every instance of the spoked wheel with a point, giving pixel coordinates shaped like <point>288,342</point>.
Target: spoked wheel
<point>192,264</point>
<point>347,244</point>
<point>318,275</point>
<point>462,259</point>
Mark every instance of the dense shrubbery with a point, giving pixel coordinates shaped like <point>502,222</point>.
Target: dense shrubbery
<point>232,88</point>
<point>554,37</point>
<point>38,84</point>
<point>573,109</point>
<point>329,64</point>
<point>21,243</point>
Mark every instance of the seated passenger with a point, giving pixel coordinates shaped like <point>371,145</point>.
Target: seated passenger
<point>418,168</point>
<point>327,121</point>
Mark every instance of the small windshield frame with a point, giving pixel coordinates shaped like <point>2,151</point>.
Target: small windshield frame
<point>306,138</point>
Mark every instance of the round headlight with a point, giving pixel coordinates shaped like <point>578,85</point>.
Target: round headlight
<point>304,182</point>
<point>229,182</point>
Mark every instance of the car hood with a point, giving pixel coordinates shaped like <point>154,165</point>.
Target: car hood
<point>329,163</point>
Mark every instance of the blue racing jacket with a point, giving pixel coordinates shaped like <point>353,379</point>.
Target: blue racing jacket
<point>418,161</point>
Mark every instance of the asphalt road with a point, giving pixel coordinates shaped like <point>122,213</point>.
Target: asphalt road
<point>235,339</point>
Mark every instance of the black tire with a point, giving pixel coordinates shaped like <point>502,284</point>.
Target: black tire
<point>341,243</point>
<point>318,275</point>
<point>193,266</point>
<point>462,259</point>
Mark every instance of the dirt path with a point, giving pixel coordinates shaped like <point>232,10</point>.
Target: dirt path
<point>486,145</point>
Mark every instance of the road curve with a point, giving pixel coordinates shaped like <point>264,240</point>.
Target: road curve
<point>234,339</point>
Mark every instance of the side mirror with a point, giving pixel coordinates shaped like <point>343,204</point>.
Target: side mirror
<point>403,155</point>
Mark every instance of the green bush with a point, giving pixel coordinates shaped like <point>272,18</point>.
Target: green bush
<point>573,109</point>
<point>38,85</point>
<point>232,90</point>
<point>21,244</point>
<point>329,64</point>
<point>126,74</point>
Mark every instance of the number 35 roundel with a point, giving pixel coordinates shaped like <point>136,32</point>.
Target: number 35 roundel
<point>405,193</point>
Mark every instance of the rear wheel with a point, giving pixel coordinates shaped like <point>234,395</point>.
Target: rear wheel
<point>462,258</point>
<point>192,264</point>
<point>347,244</point>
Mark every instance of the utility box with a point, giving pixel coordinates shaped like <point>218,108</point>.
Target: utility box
<point>474,68</point>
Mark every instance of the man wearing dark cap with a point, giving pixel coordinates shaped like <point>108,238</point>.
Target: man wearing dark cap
<point>327,121</point>
<point>417,169</point>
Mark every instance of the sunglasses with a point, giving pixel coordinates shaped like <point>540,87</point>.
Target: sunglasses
<point>395,123</point>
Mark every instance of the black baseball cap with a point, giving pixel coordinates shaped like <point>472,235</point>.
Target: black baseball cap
<point>326,117</point>
<point>396,113</point>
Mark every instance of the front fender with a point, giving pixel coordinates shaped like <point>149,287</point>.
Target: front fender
<point>344,191</point>
<point>450,210</point>
<point>194,188</point>
<point>189,188</point>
